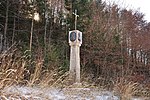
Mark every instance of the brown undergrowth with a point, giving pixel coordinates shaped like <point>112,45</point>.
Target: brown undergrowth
<point>128,89</point>
<point>125,89</point>
<point>19,69</point>
<point>126,86</point>
<point>12,68</point>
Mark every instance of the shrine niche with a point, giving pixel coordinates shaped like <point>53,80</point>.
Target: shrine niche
<point>73,36</point>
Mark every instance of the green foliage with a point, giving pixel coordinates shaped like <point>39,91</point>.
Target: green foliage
<point>56,58</point>
<point>83,10</point>
<point>117,39</point>
<point>64,66</point>
<point>51,59</point>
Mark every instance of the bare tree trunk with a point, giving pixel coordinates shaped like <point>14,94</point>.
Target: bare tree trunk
<point>45,34</point>
<point>1,42</point>
<point>32,25</point>
<point>6,25</point>
<point>45,28</point>
<point>31,34</point>
<point>14,30</point>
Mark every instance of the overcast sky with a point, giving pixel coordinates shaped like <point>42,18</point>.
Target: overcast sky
<point>141,5</point>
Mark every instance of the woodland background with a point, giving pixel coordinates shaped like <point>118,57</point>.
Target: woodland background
<point>115,50</point>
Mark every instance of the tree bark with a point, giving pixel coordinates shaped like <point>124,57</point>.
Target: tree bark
<point>6,24</point>
<point>31,34</point>
<point>14,26</point>
<point>45,35</point>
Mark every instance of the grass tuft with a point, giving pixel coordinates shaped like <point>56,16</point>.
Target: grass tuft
<point>125,89</point>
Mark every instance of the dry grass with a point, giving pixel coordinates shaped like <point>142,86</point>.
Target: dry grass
<point>18,68</point>
<point>126,89</point>
<point>35,77</point>
<point>45,78</point>
<point>12,96</point>
<point>12,68</point>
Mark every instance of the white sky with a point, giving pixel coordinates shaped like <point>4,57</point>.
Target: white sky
<point>140,5</point>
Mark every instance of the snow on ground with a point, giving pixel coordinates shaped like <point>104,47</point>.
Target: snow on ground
<point>37,93</point>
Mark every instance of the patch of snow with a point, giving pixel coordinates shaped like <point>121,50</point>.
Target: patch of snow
<point>134,98</point>
<point>107,97</point>
<point>37,93</point>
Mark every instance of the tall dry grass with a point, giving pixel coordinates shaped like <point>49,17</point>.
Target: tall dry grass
<point>125,89</point>
<point>20,68</point>
<point>17,68</point>
<point>12,68</point>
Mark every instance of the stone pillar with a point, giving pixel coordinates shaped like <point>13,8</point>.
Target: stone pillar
<point>72,63</point>
<point>75,41</point>
<point>77,70</point>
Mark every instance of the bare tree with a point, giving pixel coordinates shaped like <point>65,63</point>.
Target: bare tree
<point>6,24</point>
